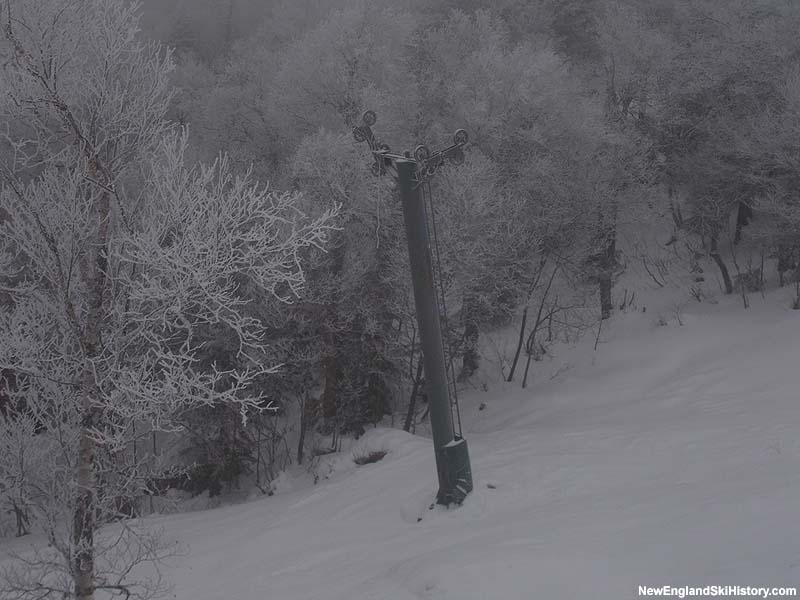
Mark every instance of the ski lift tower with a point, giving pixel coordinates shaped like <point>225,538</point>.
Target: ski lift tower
<point>411,172</point>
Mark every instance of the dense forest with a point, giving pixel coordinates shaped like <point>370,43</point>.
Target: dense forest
<point>586,118</point>
<point>202,282</point>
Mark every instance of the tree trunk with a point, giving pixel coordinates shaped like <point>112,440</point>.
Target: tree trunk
<point>85,512</point>
<point>84,517</point>
<point>258,451</point>
<point>527,368</point>
<point>328,398</point>
<point>796,304</point>
<point>303,424</point>
<point>471,359</point>
<point>786,262</point>
<point>714,253</point>
<point>675,209</point>
<point>519,344</point>
<point>530,343</point>
<point>330,362</point>
<point>412,403</point>
<point>607,264</point>
<point>743,216</point>
<point>605,297</point>
<point>21,515</point>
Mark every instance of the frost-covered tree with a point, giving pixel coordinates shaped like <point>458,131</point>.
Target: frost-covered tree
<point>355,307</point>
<point>118,260</point>
<point>352,60</point>
<point>725,106</point>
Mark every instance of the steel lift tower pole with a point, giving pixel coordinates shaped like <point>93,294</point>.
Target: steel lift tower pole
<point>411,172</point>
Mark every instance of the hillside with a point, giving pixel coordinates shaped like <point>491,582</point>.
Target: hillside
<point>668,457</point>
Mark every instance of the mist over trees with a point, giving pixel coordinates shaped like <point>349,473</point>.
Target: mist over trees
<point>201,282</point>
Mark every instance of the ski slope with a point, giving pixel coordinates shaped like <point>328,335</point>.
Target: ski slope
<point>668,457</point>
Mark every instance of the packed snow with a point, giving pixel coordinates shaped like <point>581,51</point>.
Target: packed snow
<point>668,456</point>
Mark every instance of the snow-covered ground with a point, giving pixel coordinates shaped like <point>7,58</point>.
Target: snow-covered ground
<point>670,456</point>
